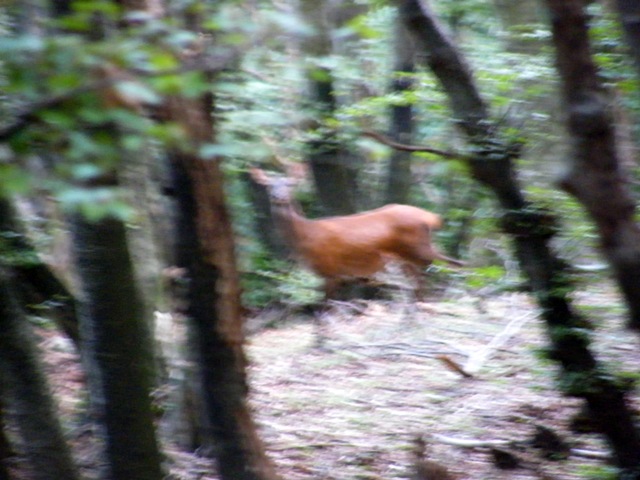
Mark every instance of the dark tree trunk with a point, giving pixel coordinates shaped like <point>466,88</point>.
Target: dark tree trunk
<point>531,230</point>
<point>25,393</point>
<point>205,250</point>
<point>595,175</point>
<point>116,347</point>
<point>399,178</point>
<point>333,166</point>
<point>630,17</point>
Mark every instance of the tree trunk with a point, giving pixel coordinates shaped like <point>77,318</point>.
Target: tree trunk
<point>399,178</point>
<point>25,394</point>
<point>205,250</point>
<point>116,347</point>
<point>630,17</point>
<point>594,174</point>
<point>333,165</point>
<point>531,230</point>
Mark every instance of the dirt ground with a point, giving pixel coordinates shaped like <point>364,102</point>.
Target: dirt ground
<point>352,410</point>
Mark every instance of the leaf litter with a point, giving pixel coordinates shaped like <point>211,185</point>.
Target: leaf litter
<point>354,409</point>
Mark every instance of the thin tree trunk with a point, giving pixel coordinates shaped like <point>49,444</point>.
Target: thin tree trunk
<point>333,165</point>
<point>25,393</point>
<point>399,178</point>
<point>531,230</point>
<point>116,347</point>
<point>595,175</point>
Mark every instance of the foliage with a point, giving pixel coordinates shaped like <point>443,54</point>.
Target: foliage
<point>281,283</point>
<point>69,88</point>
<point>262,116</point>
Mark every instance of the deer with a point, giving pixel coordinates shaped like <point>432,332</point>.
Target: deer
<point>354,246</point>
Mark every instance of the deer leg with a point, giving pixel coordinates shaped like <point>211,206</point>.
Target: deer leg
<point>414,272</point>
<point>320,317</point>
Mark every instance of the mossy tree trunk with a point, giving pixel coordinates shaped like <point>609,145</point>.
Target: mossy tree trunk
<point>531,230</point>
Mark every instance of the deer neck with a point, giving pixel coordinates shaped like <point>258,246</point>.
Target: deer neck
<point>291,224</point>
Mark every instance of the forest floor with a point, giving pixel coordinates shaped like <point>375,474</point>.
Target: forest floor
<point>353,409</point>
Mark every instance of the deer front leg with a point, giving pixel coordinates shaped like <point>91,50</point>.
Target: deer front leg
<point>320,316</point>
<point>416,275</point>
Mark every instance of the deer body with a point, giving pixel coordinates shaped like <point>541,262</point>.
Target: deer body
<point>359,245</point>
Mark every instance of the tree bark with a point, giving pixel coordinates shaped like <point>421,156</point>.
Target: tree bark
<point>116,347</point>
<point>205,250</point>
<point>25,393</point>
<point>531,229</point>
<point>594,173</point>
<point>399,178</point>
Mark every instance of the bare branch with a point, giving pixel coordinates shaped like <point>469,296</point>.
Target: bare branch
<point>413,148</point>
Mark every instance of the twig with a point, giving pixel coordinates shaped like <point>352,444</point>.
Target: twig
<point>453,366</point>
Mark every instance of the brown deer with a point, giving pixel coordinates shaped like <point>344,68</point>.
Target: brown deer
<point>354,246</point>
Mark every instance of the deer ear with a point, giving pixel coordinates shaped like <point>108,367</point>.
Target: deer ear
<point>259,176</point>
